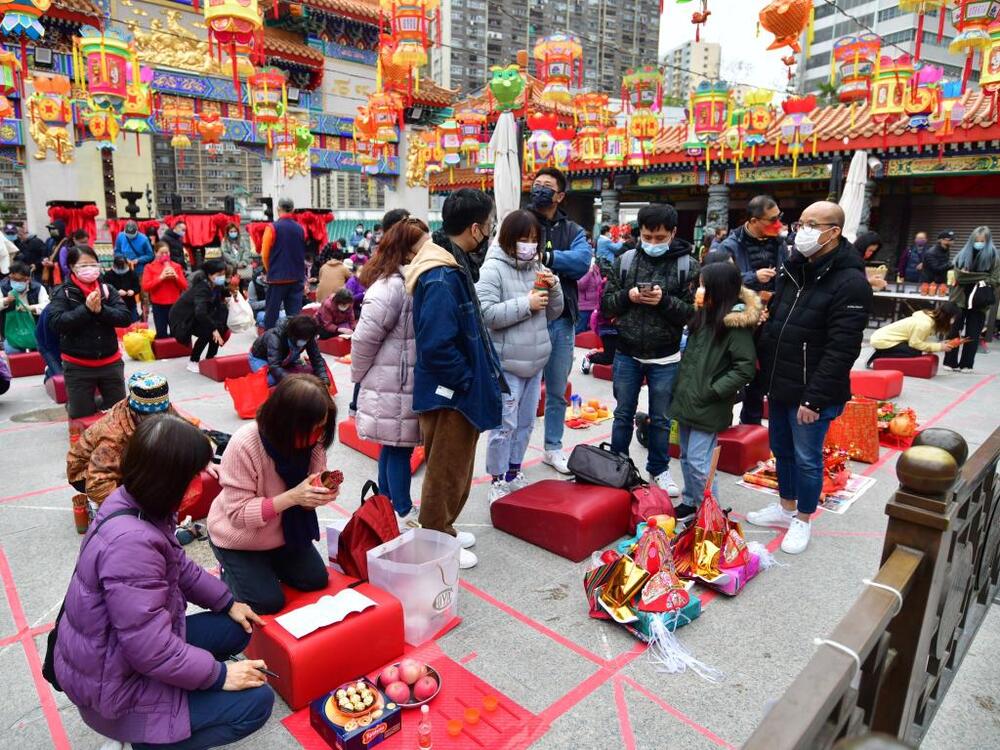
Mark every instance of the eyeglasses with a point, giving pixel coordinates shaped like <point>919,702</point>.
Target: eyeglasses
<point>779,217</point>
<point>810,225</point>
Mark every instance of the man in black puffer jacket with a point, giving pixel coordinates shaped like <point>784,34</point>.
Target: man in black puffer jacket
<point>807,349</point>
<point>650,293</point>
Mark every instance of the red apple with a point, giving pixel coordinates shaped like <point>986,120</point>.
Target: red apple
<point>426,687</point>
<point>389,675</point>
<point>410,671</point>
<point>398,692</point>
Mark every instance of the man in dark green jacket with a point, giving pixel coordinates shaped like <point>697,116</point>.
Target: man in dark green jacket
<point>650,293</point>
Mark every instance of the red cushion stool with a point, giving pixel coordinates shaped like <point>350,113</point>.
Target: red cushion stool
<point>197,502</point>
<point>570,519</point>
<point>77,426</point>
<point>347,431</point>
<point>602,372</point>
<point>336,346</point>
<point>314,665</point>
<point>220,368</point>
<point>540,412</point>
<point>56,388</point>
<point>170,348</point>
<point>924,366</point>
<point>588,340</point>
<point>877,384</point>
<point>25,365</point>
<point>742,447</point>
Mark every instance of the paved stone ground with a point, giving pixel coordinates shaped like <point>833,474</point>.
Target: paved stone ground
<point>525,628</point>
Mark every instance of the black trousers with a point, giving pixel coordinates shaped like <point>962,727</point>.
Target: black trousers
<point>255,577</point>
<point>895,352</point>
<point>82,382</point>
<point>203,338</point>
<point>972,322</point>
<point>753,400</point>
<point>610,347</point>
<point>161,320</point>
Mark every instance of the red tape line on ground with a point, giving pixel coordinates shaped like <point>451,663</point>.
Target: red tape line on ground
<point>680,716</point>
<point>624,722</point>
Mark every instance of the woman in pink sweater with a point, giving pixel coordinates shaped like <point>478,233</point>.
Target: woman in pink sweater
<point>263,524</point>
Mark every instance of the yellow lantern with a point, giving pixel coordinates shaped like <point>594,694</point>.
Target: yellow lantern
<point>890,85</point>
<point>50,115</point>
<point>559,63</point>
<point>590,113</point>
<point>989,77</point>
<point>410,21</point>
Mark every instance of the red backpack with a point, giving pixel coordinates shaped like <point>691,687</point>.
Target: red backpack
<point>372,524</point>
<point>649,500</point>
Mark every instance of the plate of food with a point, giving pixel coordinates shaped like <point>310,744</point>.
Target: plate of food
<point>410,683</point>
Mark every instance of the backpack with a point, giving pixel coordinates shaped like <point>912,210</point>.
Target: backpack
<point>649,500</point>
<point>682,267</point>
<point>372,524</point>
<point>48,666</point>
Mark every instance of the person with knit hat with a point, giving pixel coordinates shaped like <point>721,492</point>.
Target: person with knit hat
<point>93,464</point>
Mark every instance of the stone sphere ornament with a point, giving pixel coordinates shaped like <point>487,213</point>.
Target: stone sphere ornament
<point>927,470</point>
<point>948,440</point>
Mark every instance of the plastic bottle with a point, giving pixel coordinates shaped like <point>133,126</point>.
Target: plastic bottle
<point>81,517</point>
<point>424,738</point>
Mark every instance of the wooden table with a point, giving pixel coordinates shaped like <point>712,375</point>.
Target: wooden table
<point>890,304</point>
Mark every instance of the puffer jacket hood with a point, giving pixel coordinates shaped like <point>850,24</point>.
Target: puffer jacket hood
<point>383,353</point>
<point>429,256</point>
<point>747,312</point>
<point>520,336</point>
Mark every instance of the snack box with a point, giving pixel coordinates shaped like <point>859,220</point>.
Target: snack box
<point>355,732</point>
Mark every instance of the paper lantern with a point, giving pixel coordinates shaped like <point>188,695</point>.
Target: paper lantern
<point>615,145</point>
<point>304,138</point>
<point>558,64</point>
<point>268,100</point>
<point>365,147</point>
<point>924,97</point>
<point>890,85</point>
<point>210,128</point>
<point>410,22</point>
<point>103,126</point>
<point>758,116</point>
<point>855,56</point>
<point>386,110</point>
<point>49,115</point>
<point>540,146</point>
<point>485,160</point>
<point>708,109</point>
<point>20,18</point>
<point>506,86</point>
<point>786,19</point>
<point>471,121</point>
<point>952,111</point>
<point>796,127</point>
<point>8,82</point>
<point>176,119</point>
<point>390,75</point>
<point>989,77</point>
<point>590,113</point>
<point>233,23</point>
<point>102,62</point>
<point>642,93</point>
<point>138,108</point>
<point>972,20</point>
<point>698,18</point>
<point>432,154</point>
<point>450,142</point>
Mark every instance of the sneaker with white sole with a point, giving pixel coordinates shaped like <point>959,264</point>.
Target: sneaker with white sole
<point>193,367</point>
<point>519,482</point>
<point>557,460</point>
<point>797,537</point>
<point>666,482</point>
<point>115,745</point>
<point>585,365</point>
<point>410,520</point>
<point>772,515</point>
<point>467,559</point>
<point>465,539</point>
<point>498,489</point>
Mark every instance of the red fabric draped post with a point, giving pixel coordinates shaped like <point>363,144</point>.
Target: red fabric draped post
<point>202,229</point>
<point>118,225</point>
<point>77,218</point>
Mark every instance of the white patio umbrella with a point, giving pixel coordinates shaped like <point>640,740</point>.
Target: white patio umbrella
<point>853,198</point>
<point>506,169</point>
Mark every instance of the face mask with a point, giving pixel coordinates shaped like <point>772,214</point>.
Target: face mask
<point>88,274</point>
<point>773,229</point>
<point>180,232</point>
<point>219,280</point>
<point>481,244</point>
<point>301,343</point>
<point>978,245</point>
<point>807,241</point>
<point>359,230</point>
<point>18,286</point>
<point>343,308</point>
<point>920,243</point>
<point>11,237</point>
<point>234,235</point>
<point>526,250</point>
<point>131,235</point>
<point>54,233</point>
<point>655,251</point>
<point>542,196</point>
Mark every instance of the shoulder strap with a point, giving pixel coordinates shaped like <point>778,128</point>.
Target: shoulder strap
<point>123,512</point>
<point>683,268</point>
<point>626,264</point>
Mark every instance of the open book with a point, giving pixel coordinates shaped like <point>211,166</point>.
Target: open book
<point>327,611</point>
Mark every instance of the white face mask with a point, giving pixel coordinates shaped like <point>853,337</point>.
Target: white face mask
<point>807,241</point>
<point>526,250</point>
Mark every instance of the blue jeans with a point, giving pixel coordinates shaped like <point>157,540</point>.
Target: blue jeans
<point>628,374</point>
<point>219,717</point>
<point>161,320</point>
<point>394,476</point>
<point>696,460</point>
<point>798,452</point>
<point>507,444</point>
<point>11,349</point>
<point>259,317</point>
<point>556,374</point>
<point>287,296</point>
<point>583,322</point>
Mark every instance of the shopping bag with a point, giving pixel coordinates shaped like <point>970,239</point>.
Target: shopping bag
<point>139,345</point>
<point>19,327</point>
<point>856,430</point>
<point>248,392</point>
<point>241,317</point>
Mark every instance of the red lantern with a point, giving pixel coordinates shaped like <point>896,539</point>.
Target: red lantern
<point>856,56</point>
<point>236,26</point>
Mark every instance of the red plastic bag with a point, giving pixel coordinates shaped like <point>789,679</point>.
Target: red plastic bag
<point>248,392</point>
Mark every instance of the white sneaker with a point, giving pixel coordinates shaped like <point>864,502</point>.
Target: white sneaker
<point>498,490</point>
<point>519,482</point>
<point>410,520</point>
<point>797,537</point>
<point>466,539</point>
<point>772,515</point>
<point>467,559</point>
<point>666,482</point>
<point>116,745</point>
<point>557,460</point>
<point>193,367</point>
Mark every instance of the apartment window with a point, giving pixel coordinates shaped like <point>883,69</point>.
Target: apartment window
<point>820,59</point>
<point>885,15</point>
<point>823,35</point>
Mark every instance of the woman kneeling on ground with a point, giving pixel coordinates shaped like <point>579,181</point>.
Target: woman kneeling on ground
<point>280,350</point>
<point>138,670</point>
<point>263,523</point>
<point>910,337</point>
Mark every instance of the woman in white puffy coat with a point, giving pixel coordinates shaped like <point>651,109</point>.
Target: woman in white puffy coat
<point>518,296</point>
<point>383,352</point>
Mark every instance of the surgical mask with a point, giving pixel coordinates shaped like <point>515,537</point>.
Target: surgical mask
<point>359,230</point>
<point>343,308</point>
<point>979,245</point>
<point>11,237</point>
<point>773,229</point>
<point>131,235</point>
<point>120,270</point>
<point>526,250</point>
<point>234,235</point>
<point>807,241</point>
<point>219,280</point>
<point>655,251</point>
<point>481,245</point>
<point>87,274</point>
<point>301,343</point>
<point>542,196</point>
<point>920,242</point>
<point>18,286</point>
<point>180,232</point>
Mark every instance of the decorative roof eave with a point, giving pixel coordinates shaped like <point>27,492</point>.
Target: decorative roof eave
<point>79,12</point>
<point>364,11</point>
<point>280,50</point>
<point>433,95</point>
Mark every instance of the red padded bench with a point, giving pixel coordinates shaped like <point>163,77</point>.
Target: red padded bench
<point>588,340</point>
<point>77,426</point>
<point>924,366</point>
<point>336,347</point>
<point>199,498</point>
<point>25,365</point>
<point>602,372</point>
<point>541,399</point>
<point>877,384</point>
<point>220,368</point>
<point>742,447</point>
<point>570,519</point>
<point>314,665</point>
<point>170,348</point>
<point>347,431</point>
<point>56,388</point>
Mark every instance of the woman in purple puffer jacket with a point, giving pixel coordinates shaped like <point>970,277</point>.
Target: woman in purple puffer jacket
<point>138,670</point>
<point>589,291</point>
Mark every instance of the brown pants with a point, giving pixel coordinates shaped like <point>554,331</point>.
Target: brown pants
<point>450,449</point>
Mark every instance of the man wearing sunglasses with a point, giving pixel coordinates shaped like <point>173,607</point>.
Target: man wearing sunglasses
<point>807,348</point>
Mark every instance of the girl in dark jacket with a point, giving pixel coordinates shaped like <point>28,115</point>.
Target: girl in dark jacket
<point>201,312</point>
<point>84,313</point>
<point>719,360</point>
<point>280,350</point>
<point>122,279</point>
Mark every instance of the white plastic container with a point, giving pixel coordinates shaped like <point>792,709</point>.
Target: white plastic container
<point>333,531</point>
<point>420,568</point>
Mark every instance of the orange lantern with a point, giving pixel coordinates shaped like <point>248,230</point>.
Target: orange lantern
<point>410,22</point>
<point>386,110</point>
<point>268,100</point>
<point>210,128</point>
<point>559,62</point>
<point>103,126</point>
<point>366,146</point>
<point>50,113</point>
<point>786,19</point>
<point>590,113</point>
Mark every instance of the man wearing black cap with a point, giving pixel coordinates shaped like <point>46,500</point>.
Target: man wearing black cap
<point>937,260</point>
<point>32,250</point>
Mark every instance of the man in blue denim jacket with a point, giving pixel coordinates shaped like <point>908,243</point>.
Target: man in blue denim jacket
<point>457,380</point>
